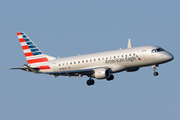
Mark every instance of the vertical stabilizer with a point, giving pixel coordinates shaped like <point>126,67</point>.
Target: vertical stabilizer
<point>32,53</point>
<point>129,44</point>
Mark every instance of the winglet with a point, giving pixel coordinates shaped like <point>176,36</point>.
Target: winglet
<point>129,44</point>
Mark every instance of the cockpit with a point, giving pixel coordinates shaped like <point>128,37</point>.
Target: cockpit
<point>157,50</point>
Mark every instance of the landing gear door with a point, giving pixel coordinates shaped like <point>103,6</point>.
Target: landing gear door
<point>144,55</point>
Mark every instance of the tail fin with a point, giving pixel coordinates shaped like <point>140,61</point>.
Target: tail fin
<point>32,53</point>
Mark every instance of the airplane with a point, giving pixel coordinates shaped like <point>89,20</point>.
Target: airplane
<point>100,65</point>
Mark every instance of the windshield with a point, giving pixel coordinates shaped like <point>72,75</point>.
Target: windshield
<point>157,50</point>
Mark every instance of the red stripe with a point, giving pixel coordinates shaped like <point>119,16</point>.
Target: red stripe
<point>22,40</point>
<point>28,54</point>
<point>139,58</point>
<point>37,60</point>
<point>18,33</point>
<point>44,67</point>
<point>25,47</point>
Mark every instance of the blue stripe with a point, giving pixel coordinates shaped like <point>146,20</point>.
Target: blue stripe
<point>37,53</point>
<point>27,40</point>
<point>33,50</point>
<point>24,36</point>
<point>22,33</point>
<point>33,46</point>
<point>29,43</point>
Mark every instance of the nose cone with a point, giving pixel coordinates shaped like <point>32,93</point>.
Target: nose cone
<point>169,57</point>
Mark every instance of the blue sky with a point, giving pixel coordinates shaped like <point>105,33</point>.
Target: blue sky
<point>66,28</point>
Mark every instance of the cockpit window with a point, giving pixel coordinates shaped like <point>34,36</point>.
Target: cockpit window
<point>153,51</point>
<point>159,50</point>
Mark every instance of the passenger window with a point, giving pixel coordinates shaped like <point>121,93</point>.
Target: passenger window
<point>129,54</point>
<point>102,58</point>
<point>90,60</point>
<point>118,56</point>
<point>74,62</point>
<point>106,58</point>
<point>86,60</point>
<point>110,57</point>
<point>83,61</point>
<point>94,59</point>
<point>114,56</point>
<point>98,58</point>
<point>153,51</point>
<point>63,63</point>
<point>122,56</point>
<point>134,54</point>
<point>78,61</point>
<point>66,63</point>
<point>70,62</point>
<point>59,64</point>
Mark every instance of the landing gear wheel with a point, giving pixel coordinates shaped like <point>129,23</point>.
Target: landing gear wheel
<point>90,82</point>
<point>111,77</point>
<point>155,73</point>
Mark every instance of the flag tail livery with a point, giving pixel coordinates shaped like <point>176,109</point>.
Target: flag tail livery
<point>100,65</point>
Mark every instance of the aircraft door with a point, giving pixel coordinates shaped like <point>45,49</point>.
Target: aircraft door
<point>54,66</point>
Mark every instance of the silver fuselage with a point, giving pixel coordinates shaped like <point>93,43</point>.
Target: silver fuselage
<point>117,60</point>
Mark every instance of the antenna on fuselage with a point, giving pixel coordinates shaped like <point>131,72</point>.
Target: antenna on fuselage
<point>129,44</point>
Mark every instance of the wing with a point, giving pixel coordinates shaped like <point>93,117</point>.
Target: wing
<point>72,72</point>
<point>79,73</point>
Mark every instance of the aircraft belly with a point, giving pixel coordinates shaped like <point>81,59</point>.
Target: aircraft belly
<point>117,68</point>
<point>49,70</point>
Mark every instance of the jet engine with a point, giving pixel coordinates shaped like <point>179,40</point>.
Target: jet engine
<point>132,69</point>
<point>101,73</point>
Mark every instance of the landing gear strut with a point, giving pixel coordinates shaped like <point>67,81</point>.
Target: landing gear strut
<point>90,82</point>
<point>155,73</point>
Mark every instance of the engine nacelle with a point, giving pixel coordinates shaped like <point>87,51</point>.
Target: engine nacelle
<point>132,69</point>
<point>101,73</point>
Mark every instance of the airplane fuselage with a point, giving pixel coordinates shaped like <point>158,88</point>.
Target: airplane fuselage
<point>117,60</point>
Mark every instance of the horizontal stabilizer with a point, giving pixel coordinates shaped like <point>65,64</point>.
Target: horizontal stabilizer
<point>13,68</point>
<point>26,68</point>
<point>32,69</point>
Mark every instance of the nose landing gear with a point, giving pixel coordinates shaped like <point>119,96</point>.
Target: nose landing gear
<point>155,73</point>
<point>154,68</point>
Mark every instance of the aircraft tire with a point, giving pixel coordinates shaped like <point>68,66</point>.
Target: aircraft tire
<point>155,73</point>
<point>90,82</point>
<point>110,78</point>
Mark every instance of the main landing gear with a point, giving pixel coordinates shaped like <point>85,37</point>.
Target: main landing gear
<point>111,77</point>
<point>90,82</point>
<point>154,68</point>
